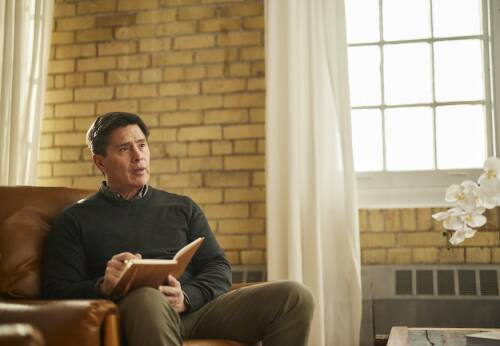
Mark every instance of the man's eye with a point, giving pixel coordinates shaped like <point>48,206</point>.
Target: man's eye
<point>142,145</point>
<point>122,149</point>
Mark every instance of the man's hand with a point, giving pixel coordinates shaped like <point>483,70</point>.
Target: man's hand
<point>174,294</point>
<point>114,269</point>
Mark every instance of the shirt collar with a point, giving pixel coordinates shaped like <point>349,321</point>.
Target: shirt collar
<point>116,196</point>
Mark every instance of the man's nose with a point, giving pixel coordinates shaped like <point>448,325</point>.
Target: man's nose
<point>137,154</point>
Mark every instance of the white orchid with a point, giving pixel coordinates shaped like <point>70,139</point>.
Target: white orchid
<point>489,183</point>
<point>471,200</point>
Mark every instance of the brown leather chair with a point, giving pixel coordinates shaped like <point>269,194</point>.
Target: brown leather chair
<point>26,215</point>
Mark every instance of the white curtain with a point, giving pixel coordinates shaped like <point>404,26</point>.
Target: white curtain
<point>312,217</point>
<point>25,29</point>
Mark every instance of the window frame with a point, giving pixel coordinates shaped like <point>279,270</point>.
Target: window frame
<point>397,189</point>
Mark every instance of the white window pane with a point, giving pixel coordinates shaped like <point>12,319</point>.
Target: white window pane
<point>367,139</point>
<point>459,70</point>
<point>406,19</point>
<point>407,73</point>
<point>460,136</point>
<point>409,138</point>
<point>456,17</point>
<point>362,17</point>
<point>364,75</point>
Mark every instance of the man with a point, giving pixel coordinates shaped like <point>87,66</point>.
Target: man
<point>90,241</point>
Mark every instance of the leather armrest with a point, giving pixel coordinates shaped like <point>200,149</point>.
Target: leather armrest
<point>62,322</point>
<point>20,334</point>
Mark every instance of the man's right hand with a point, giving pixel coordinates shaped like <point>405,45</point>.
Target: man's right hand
<point>114,269</point>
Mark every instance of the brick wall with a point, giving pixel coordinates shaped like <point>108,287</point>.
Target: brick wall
<point>411,236</point>
<point>194,70</point>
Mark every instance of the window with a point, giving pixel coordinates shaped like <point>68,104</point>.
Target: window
<point>420,95</point>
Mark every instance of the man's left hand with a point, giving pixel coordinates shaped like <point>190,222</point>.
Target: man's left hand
<point>174,294</point>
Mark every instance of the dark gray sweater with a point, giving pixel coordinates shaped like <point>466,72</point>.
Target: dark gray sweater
<point>87,234</point>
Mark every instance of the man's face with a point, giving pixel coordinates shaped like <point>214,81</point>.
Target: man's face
<point>126,164</point>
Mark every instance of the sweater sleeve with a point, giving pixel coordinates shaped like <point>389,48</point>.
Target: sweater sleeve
<point>64,269</point>
<point>212,270</point>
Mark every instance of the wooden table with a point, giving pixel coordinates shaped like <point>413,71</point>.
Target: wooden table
<point>404,336</point>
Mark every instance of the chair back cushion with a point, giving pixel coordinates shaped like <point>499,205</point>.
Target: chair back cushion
<point>26,215</point>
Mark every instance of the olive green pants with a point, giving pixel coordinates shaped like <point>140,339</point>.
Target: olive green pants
<point>276,313</point>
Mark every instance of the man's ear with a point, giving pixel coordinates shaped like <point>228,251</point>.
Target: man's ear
<point>98,161</point>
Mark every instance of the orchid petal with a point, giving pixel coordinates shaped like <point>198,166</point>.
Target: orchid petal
<point>458,237</point>
<point>452,192</point>
<point>492,164</point>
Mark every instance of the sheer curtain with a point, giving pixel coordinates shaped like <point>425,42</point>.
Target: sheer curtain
<point>25,29</point>
<point>312,220</point>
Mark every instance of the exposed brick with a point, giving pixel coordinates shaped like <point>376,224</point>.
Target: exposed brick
<point>158,104</point>
<point>88,183</point>
<point>399,256</point>
<point>134,32</point>
<point>256,84</point>
<point>252,53</point>
<point>226,116</point>
<point>244,100</point>
<point>44,170</point>
<point>258,179</point>
<point>172,58</point>
<point>375,220</point>
<point>216,55</point>
<point>180,180</point>
<point>217,70</point>
<point>495,255</point>
<point>200,164</point>
<point>46,140</point>
<point>363,220</point>
<point>204,195</point>
<point>74,109</point>
<point>96,64</point>
<point>484,238</point>
<point>254,23</point>
<point>244,131</point>
<point>176,149</point>
<point>178,2</point>
<point>178,89</point>
<point>492,218</point>
<point>421,239</point>
<point>131,5</point>
<point>261,146</point>
<point>244,162</point>
<point>240,69</point>
<point>245,147</point>
<point>224,179</point>
<point>91,7</point>
<point>233,241</point>
<point>242,10</point>
<point>424,219</point>
<point>223,86</point>
<point>156,16</point>
<point>136,91</point>
<point>59,182</point>
<point>117,48</point>
<point>200,102</point>
<point>198,149</point>
<point>57,125</point>
<point>75,51</point>
<point>233,257</point>
<point>163,166</point>
<point>425,255</point>
<point>71,169</point>
<point>96,35</point>
<point>75,23</point>
<point>219,24</point>
<point>195,12</point>
<point>244,194</point>
<point>408,220</point>
<point>49,155</point>
<point>258,68</point>
<point>64,10</point>
<point>236,226</point>
<point>151,75</point>
<point>61,66</point>
<point>110,20</point>
<point>194,42</point>
<point>133,61</point>
<point>227,211</point>
<point>83,124</point>
<point>58,81</point>
<point>258,210</point>
<point>477,255</point>
<point>74,79</point>
<point>241,38</point>
<point>71,154</point>
<point>370,240</point>
<point>195,72</point>
<point>58,96</point>
<point>94,94</point>
<point>117,106</point>
<point>70,139</point>
<point>252,257</point>
<point>94,78</point>
<point>155,44</point>
<point>62,38</point>
<point>199,133</point>
<point>162,135</point>
<point>392,219</point>
<point>176,28</point>
<point>452,255</point>
<point>374,256</point>
<point>123,77</point>
<point>221,147</point>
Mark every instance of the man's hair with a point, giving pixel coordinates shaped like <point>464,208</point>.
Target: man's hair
<point>99,131</point>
